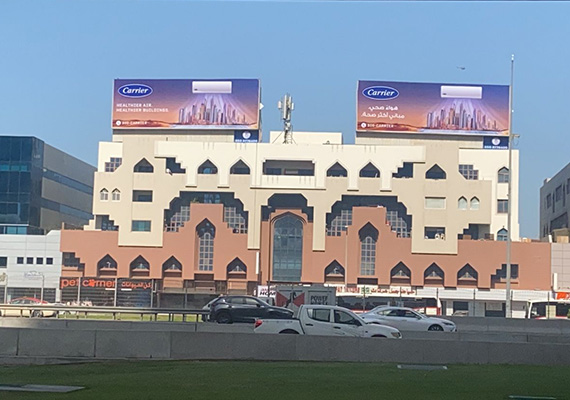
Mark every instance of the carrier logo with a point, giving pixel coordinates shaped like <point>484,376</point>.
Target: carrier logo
<point>135,90</point>
<point>380,93</point>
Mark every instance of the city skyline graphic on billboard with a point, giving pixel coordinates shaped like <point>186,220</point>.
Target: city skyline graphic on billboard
<point>186,104</point>
<point>427,108</point>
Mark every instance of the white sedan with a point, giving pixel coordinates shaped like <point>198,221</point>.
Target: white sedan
<point>406,319</point>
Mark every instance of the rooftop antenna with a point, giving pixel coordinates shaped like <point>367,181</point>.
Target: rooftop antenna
<point>286,106</point>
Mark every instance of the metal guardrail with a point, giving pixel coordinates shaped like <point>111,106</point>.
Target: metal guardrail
<point>38,310</point>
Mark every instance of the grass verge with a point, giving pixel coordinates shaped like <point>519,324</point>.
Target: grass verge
<point>286,380</point>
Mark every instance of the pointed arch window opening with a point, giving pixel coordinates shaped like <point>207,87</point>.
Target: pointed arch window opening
<point>240,168</point>
<point>140,264</point>
<point>116,195</point>
<point>468,274</point>
<point>401,272</point>
<point>434,272</point>
<point>107,263</point>
<point>334,273</point>
<point>104,195</point>
<point>207,168</point>
<point>436,173</point>
<point>474,203</point>
<point>236,267</point>
<point>334,269</point>
<point>206,234</point>
<point>502,235</point>
<point>368,237</point>
<point>172,265</point>
<point>337,170</point>
<point>287,249</point>
<point>143,166</point>
<point>369,171</point>
<point>503,175</point>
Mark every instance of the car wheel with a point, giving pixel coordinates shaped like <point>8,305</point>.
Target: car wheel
<point>290,332</point>
<point>36,314</point>
<point>379,336</point>
<point>224,318</point>
<point>435,328</point>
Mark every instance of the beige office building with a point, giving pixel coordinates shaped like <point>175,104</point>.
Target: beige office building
<point>200,213</point>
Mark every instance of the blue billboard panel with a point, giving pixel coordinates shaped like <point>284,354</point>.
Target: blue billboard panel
<point>186,104</point>
<point>246,136</point>
<point>426,108</point>
<point>496,143</point>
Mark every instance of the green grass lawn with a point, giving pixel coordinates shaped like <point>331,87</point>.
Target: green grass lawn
<point>286,380</point>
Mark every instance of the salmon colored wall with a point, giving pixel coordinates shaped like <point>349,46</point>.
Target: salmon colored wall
<point>484,256</point>
<point>91,246</point>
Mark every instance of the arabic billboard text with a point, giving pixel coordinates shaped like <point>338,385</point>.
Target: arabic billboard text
<point>428,108</point>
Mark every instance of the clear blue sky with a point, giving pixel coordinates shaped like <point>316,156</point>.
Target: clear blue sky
<point>58,60</point>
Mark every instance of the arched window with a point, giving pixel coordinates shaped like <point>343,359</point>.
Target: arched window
<point>369,171</point>
<point>502,235</point>
<point>400,274</point>
<point>334,272</point>
<point>206,234</point>
<point>172,265</point>
<point>104,195</point>
<point>434,274</point>
<point>139,266</point>
<point>337,170</point>
<point>368,237</point>
<point>107,266</point>
<point>240,168</point>
<point>236,268</point>
<point>462,203</point>
<point>474,203</point>
<point>503,175</point>
<point>116,195</point>
<point>287,249</point>
<point>207,168</point>
<point>144,166</point>
<point>467,274</point>
<point>436,172</point>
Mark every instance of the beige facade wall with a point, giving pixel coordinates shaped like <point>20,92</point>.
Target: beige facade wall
<point>561,266</point>
<point>321,192</point>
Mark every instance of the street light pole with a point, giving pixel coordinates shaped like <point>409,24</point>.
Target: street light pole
<point>508,307</point>
<point>345,252</point>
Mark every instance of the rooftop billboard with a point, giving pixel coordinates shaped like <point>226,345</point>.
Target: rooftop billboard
<point>432,108</point>
<point>186,104</point>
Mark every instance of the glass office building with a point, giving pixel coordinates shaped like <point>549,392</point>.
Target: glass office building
<point>41,187</point>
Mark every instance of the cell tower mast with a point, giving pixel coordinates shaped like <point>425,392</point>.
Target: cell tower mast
<point>286,106</point>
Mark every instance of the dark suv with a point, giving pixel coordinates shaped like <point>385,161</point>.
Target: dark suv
<point>228,309</point>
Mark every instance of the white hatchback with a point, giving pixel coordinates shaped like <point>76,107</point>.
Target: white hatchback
<point>406,319</point>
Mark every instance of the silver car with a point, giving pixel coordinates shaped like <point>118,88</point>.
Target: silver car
<point>406,319</point>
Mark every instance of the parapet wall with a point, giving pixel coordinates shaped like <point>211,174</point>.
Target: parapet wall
<point>47,344</point>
